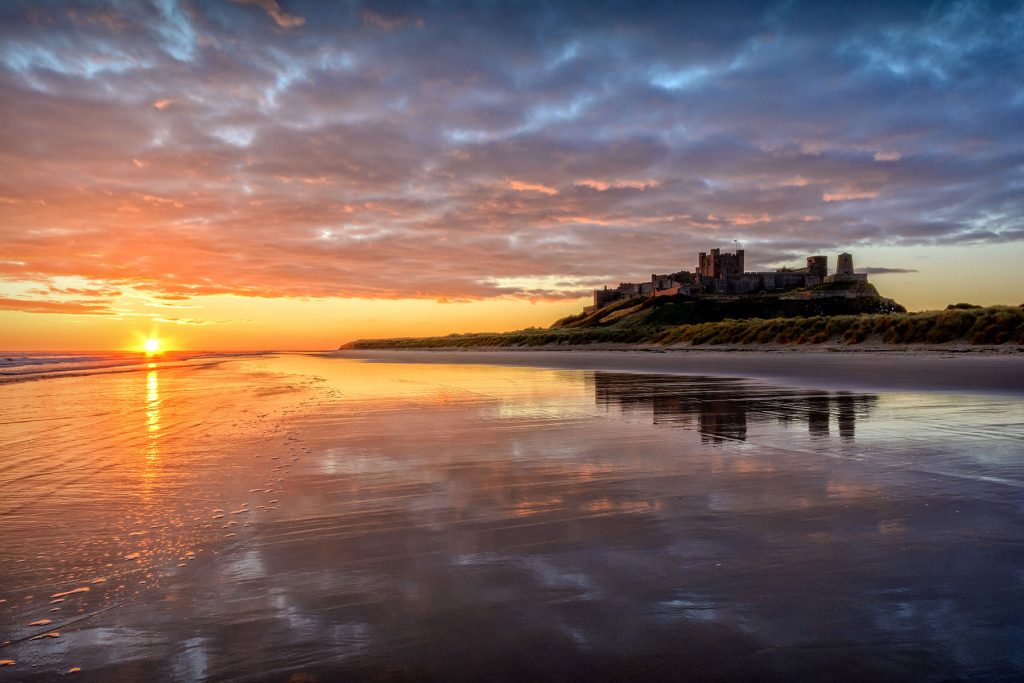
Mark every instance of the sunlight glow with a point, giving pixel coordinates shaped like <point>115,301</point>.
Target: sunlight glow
<point>151,346</point>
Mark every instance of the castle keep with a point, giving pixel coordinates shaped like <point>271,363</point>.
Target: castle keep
<point>723,274</point>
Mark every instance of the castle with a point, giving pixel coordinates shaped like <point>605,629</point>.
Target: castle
<point>724,274</point>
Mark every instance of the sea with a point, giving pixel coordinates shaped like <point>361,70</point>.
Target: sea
<point>23,366</point>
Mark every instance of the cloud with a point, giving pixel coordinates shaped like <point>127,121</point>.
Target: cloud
<point>887,156</point>
<point>182,321</point>
<point>847,196</point>
<point>531,187</point>
<point>477,150</point>
<point>603,185</point>
<point>98,292</point>
<point>384,23</point>
<point>273,8</point>
<point>872,270</point>
<point>40,306</point>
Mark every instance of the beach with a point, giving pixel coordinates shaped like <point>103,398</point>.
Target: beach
<point>957,368</point>
<point>320,517</point>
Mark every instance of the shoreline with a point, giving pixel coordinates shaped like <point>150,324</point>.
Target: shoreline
<point>934,369</point>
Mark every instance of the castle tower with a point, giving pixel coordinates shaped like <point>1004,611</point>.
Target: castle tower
<point>844,264</point>
<point>715,264</point>
<point>818,266</point>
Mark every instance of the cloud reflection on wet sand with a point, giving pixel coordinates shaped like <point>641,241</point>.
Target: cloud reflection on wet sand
<point>513,524</point>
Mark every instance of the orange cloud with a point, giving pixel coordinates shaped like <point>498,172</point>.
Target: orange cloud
<point>843,196</point>
<point>36,306</point>
<point>592,220</point>
<point>531,187</point>
<point>796,181</point>
<point>747,219</point>
<point>603,185</point>
<point>280,17</point>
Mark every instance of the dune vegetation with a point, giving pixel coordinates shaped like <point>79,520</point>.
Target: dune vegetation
<point>639,322</point>
<point>978,326</point>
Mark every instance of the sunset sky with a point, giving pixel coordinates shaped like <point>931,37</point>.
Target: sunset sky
<point>261,174</point>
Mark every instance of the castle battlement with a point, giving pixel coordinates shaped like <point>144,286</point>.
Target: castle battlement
<point>721,273</point>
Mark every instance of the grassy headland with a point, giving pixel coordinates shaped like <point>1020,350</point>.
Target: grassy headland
<point>859,316</point>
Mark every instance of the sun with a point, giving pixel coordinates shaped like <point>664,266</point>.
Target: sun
<point>151,346</point>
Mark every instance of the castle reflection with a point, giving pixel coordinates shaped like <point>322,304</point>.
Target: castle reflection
<point>721,409</point>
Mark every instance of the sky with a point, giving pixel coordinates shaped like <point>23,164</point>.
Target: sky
<point>286,174</point>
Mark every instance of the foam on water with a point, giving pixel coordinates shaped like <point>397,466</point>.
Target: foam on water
<point>19,367</point>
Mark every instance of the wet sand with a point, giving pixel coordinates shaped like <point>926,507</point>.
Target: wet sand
<point>332,519</point>
<point>866,370</point>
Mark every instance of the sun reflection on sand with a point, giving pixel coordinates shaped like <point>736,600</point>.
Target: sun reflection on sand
<point>152,451</point>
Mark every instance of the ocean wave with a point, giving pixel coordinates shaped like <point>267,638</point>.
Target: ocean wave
<point>19,367</point>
